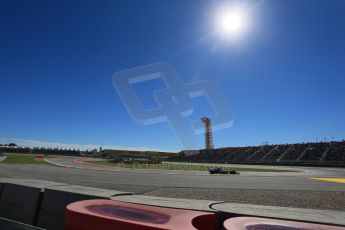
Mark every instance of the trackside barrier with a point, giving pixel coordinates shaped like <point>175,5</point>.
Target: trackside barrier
<point>116,215</point>
<point>19,199</point>
<point>6,224</point>
<point>19,203</point>
<point>247,223</point>
<point>43,204</point>
<point>42,184</point>
<point>55,199</point>
<point>229,210</point>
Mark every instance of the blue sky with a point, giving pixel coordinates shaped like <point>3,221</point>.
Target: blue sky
<point>284,79</point>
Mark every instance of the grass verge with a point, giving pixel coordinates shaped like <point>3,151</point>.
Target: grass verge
<point>13,158</point>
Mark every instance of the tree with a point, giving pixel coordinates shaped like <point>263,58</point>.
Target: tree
<point>12,145</point>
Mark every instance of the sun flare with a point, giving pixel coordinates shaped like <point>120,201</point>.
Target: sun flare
<point>231,22</point>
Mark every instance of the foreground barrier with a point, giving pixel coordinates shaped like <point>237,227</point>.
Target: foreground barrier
<point>55,199</point>
<point>248,223</point>
<point>229,210</point>
<point>19,199</point>
<point>6,224</point>
<point>109,214</point>
<point>43,204</point>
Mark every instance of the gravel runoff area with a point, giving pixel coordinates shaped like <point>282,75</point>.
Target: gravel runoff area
<point>286,198</point>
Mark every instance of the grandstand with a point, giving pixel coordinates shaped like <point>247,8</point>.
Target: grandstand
<point>274,154</point>
<point>318,154</point>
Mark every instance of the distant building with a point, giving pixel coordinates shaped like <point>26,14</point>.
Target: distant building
<point>136,159</point>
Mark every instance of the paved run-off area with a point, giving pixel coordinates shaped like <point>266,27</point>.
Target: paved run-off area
<point>295,189</point>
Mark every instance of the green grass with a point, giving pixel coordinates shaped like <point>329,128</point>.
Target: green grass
<point>22,159</point>
<point>189,167</point>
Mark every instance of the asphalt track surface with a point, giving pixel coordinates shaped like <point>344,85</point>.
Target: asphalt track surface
<point>252,187</point>
<point>129,179</point>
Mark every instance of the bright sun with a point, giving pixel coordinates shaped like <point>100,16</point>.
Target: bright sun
<point>231,22</point>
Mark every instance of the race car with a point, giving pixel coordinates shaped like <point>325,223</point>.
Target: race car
<point>222,171</point>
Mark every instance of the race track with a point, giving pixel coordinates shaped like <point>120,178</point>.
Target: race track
<point>193,184</point>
